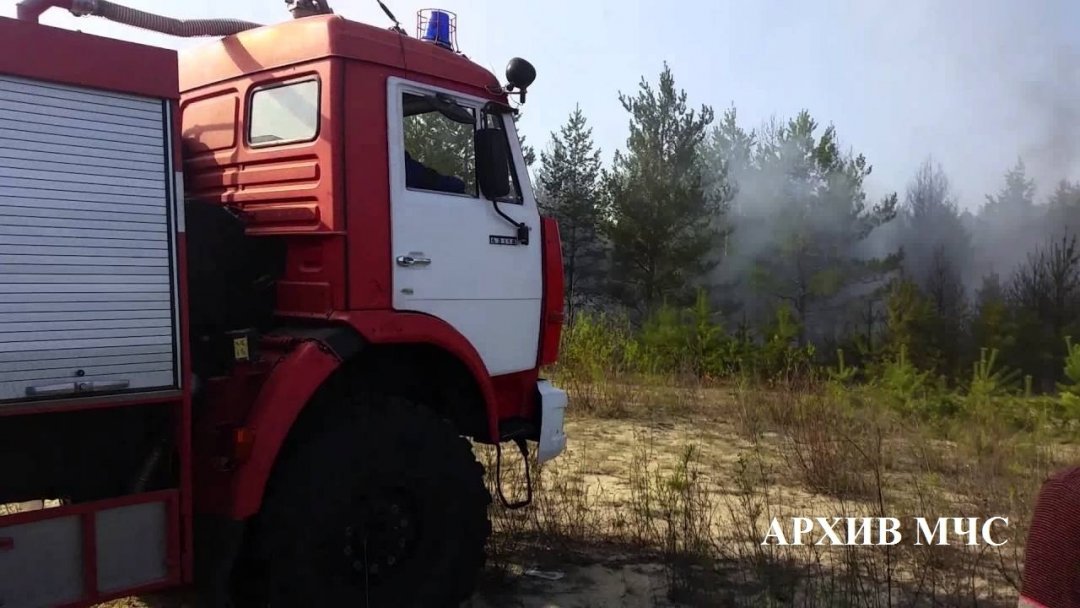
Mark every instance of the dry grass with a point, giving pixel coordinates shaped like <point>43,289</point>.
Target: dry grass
<point>688,479</point>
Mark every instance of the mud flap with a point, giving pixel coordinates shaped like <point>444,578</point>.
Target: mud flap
<point>523,447</point>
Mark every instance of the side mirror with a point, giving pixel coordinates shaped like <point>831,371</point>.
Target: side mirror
<point>493,163</point>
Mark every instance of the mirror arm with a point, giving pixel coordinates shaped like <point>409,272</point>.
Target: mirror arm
<point>497,107</point>
<point>446,106</point>
<point>522,227</point>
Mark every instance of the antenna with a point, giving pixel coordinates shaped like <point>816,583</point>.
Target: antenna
<point>397,24</point>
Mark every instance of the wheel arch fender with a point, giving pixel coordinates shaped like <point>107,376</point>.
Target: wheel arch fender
<point>291,385</point>
<point>385,327</point>
<point>297,378</point>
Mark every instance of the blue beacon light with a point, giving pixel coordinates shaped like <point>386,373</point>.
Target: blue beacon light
<point>438,29</point>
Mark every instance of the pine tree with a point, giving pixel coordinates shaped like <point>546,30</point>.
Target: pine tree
<point>947,297</point>
<point>662,216</point>
<point>569,182</point>
<point>911,326</point>
<point>1063,209</point>
<point>527,151</point>
<point>810,197</point>
<point>992,323</point>
<point>728,154</point>
<point>1018,193</point>
<point>937,250</point>
<point>1012,217</point>
<point>933,236</point>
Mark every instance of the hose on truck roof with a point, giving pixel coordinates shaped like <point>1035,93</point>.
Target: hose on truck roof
<point>189,28</point>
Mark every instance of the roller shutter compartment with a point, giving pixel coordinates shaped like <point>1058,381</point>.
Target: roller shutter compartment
<point>87,272</point>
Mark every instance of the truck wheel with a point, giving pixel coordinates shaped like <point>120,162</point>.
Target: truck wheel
<point>381,504</point>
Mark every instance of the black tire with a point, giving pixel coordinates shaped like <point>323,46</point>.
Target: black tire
<point>385,476</point>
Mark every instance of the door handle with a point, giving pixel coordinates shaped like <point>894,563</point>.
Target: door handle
<point>76,388</point>
<point>409,261</point>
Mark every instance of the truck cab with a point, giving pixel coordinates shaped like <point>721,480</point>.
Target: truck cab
<point>354,283</point>
<point>313,149</point>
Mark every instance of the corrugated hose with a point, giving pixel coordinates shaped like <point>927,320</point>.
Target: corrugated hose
<point>189,28</point>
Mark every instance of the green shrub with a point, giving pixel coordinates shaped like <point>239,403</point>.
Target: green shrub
<point>663,343</point>
<point>592,347</point>
<point>902,379</point>
<point>689,341</point>
<point>1070,389</point>
<point>781,358</point>
<point>990,380</point>
<point>842,374</point>
<point>709,349</point>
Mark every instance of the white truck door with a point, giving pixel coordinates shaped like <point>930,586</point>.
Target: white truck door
<point>455,256</point>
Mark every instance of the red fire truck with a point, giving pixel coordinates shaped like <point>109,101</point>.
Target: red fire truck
<point>255,300</point>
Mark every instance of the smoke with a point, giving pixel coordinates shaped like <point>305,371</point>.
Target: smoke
<point>1024,65</point>
<point>973,86</point>
<point>929,228</point>
<point>1051,118</point>
<point>797,229</point>
<point>798,233</point>
<point>975,83</point>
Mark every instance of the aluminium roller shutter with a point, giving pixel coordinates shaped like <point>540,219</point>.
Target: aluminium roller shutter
<point>87,272</point>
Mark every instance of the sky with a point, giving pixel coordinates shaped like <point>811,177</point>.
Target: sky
<point>974,84</point>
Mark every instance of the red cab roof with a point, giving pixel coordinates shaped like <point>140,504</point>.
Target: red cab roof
<point>312,38</point>
<point>40,52</point>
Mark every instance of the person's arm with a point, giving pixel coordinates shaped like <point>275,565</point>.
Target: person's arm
<point>419,175</point>
<point>448,183</point>
<point>1052,555</point>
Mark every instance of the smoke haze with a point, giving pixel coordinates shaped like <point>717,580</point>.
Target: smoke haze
<point>992,81</point>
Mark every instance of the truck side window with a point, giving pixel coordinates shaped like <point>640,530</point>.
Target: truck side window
<point>284,114</point>
<point>440,153</point>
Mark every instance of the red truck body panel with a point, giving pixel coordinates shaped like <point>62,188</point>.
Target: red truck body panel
<point>74,58</point>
